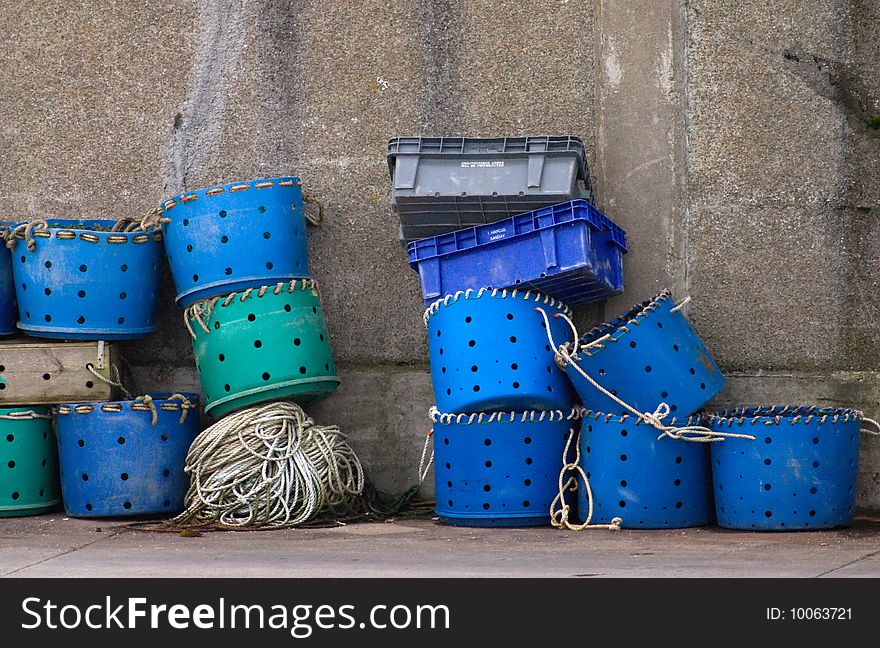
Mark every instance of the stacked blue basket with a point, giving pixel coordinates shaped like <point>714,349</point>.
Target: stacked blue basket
<point>8,309</point>
<point>519,238</point>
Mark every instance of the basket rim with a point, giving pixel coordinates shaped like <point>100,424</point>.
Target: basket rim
<point>495,293</point>
<point>776,414</point>
<point>617,328</point>
<point>119,406</point>
<point>693,419</point>
<point>230,187</point>
<point>512,416</point>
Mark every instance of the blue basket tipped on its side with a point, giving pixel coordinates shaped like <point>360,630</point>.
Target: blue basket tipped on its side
<point>648,356</point>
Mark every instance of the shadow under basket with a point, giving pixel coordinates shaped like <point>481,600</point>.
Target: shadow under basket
<point>8,309</point>
<point>85,282</point>
<point>499,469</point>
<point>28,462</point>
<point>260,345</point>
<point>489,351</point>
<point>230,237</point>
<point>799,474</point>
<point>116,463</point>
<point>652,356</point>
<point>649,483</point>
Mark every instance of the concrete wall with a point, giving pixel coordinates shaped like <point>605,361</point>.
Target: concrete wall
<point>737,142</point>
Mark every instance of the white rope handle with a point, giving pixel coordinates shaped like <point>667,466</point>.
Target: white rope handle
<point>693,433</point>
<point>684,302</point>
<point>423,469</point>
<point>559,517</point>
<point>870,421</point>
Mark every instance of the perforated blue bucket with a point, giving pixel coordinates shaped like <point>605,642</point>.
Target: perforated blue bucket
<point>115,462</point>
<point>652,356</point>
<point>75,279</point>
<point>800,473</point>
<point>8,309</point>
<point>499,469</point>
<point>649,483</point>
<point>489,351</point>
<point>235,236</point>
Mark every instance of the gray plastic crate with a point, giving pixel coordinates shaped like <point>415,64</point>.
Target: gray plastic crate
<point>442,184</point>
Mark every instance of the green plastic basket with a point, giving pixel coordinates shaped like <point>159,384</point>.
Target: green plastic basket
<point>29,456</point>
<point>262,344</point>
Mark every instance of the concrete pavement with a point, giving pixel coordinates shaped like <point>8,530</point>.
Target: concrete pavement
<point>53,545</point>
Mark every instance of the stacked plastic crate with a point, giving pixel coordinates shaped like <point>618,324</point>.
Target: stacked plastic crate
<point>497,228</point>
<point>80,285</point>
<point>239,259</point>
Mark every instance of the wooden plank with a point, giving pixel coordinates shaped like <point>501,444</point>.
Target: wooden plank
<point>44,372</point>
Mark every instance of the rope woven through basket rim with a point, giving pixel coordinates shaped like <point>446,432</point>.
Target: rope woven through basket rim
<point>497,293</point>
<point>203,309</point>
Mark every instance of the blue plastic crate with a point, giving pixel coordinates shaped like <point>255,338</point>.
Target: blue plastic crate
<point>570,250</point>
<point>799,473</point>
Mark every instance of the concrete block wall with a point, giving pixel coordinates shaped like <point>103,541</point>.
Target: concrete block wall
<point>736,142</point>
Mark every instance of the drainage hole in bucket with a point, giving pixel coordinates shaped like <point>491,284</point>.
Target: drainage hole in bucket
<point>47,291</point>
<point>123,295</point>
<point>529,461</point>
<point>166,473</point>
<point>287,308</point>
<point>216,325</point>
<point>164,437</point>
<point>768,514</point>
<point>487,488</point>
<point>10,438</point>
<point>486,506</point>
<point>693,371</point>
<point>195,277</point>
<point>449,484</point>
<point>677,482</point>
<point>121,320</point>
<point>297,342</point>
<point>621,504</point>
<point>189,248</point>
<point>48,264</point>
<point>48,318</point>
<point>678,505</point>
<point>767,461</point>
<point>81,294</point>
<point>222,213</point>
<point>623,433</point>
<point>476,388</point>
<point>11,464</point>
<point>527,440</point>
<point>221,357</point>
<point>126,505</point>
<point>89,384</point>
<point>257,344</point>
<point>124,476</point>
<point>526,503</point>
<point>42,492</point>
<point>89,507</point>
<point>678,460</point>
<point>266,375</point>
<point>251,317</point>
<point>167,503</point>
<point>121,440</point>
<point>302,370</point>
<point>85,477</point>
<point>15,495</point>
<point>24,286</point>
<point>813,490</point>
<point>468,319</point>
<point>269,265</point>
<point>321,336</point>
<point>623,483</point>
<point>601,372</point>
<point>472,343</point>
<point>124,267</point>
<point>83,268</point>
<point>664,394</point>
<point>815,440</point>
<point>43,463</point>
<point>815,464</point>
<point>767,487</point>
<point>648,369</point>
<point>474,368</point>
<point>267,235</point>
<point>514,366</point>
<point>185,222</point>
<point>487,442</point>
<point>224,239</point>
<point>227,271</point>
<point>527,482</point>
<point>623,457</point>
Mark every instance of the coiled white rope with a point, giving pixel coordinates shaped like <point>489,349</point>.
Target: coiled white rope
<point>268,466</point>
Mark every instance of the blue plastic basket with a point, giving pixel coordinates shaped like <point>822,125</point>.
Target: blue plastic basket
<point>489,351</point>
<point>235,236</point>
<point>649,483</point>
<point>75,279</point>
<point>800,473</point>
<point>8,309</point>
<point>570,251</point>
<point>652,356</point>
<point>499,469</point>
<point>115,462</point>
